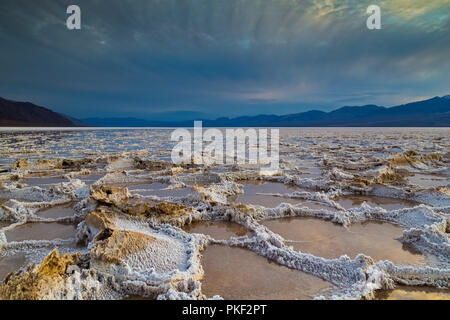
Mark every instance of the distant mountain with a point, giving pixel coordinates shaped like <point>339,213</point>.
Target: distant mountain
<point>433,112</point>
<point>13,113</point>
<point>77,122</point>
<point>122,122</point>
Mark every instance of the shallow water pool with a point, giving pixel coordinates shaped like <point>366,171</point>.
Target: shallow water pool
<point>329,240</point>
<point>236,273</point>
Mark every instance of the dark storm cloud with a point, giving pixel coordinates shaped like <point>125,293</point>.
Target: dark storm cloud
<point>221,57</point>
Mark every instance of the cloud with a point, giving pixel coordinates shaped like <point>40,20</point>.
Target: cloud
<point>225,57</point>
<point>410,9</point>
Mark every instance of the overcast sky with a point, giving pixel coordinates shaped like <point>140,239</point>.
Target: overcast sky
<point>158,59</point>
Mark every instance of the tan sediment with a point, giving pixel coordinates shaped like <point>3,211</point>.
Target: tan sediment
<point>151,165</point>
<point>401,292</point>
<point>360,182</point>
<point>435,156</point>
<point>166,209</point>
<point>114,245</point>
<point>412,158</point>
<point>389,177</point>
<point>21,163</point>
<point>445,190</point>
<point>412,153</point>
<point>120,198</point>
<point>36,281</point>
<point>100,219</point>
<point>109,194</point>
<point>403,160</point>
<point>55,264</point>
<point>243,208</point>
<point>393,175</point>
<point>176,170</point>
<point>104,217</point>
<point>75,164</point>
<point>10,178</point>
<point>52,163</point>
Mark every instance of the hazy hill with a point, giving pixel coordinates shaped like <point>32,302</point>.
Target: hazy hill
<point>13,113</point>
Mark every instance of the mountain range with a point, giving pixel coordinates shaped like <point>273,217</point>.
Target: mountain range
<point>433,112</point>
<point>26,114</point>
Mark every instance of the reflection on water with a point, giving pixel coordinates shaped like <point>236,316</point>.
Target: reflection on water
<point>309,169</point>
<point>236,273</point>
<point>428,180</point>
<point>44,181</point>
<point>220,230</point>
<point>51,180</point>
<point>329,240</point>
<point>76,143</point>
<point>351,201</point>
<point>252,195</point>
<point>41,231</point>
<point>413,293</point>
<point>58,212</point>
<point>255,193</point>
<point>158,189</point>
<point>90,178</point>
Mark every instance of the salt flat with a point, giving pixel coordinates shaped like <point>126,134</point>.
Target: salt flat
<point>387,188</point>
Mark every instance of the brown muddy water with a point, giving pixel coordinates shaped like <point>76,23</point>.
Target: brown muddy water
<point>41,231</point>
<point>158,189</point>
<point>413,293</point>
<point>386,203</point>
<point>58,212</point>
<point>236,273</point>
<point>329,240</point>
<point>252,195</point>
<point>10,264</point>
<point>219,230</point>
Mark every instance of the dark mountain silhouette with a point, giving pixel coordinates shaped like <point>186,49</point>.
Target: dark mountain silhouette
<point>433,112</point>
<point>13,113</point>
